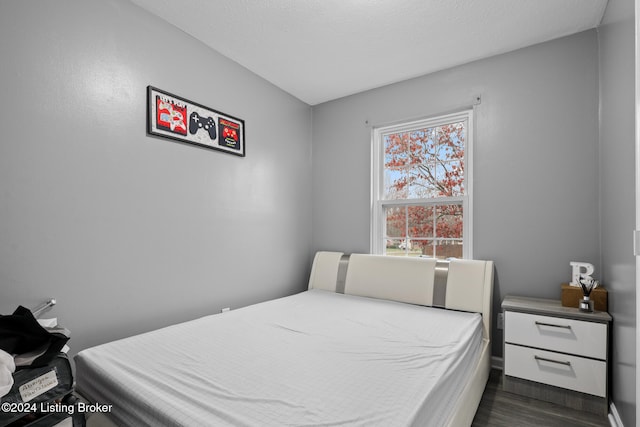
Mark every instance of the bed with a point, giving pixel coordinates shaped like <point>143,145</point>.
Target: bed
<point>374,341</point>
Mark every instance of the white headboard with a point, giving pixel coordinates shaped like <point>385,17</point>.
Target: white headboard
<point>457,284</point>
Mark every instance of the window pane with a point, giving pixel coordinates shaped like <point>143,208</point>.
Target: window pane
<point>424,247</point>
<point>422,151</point>
<point>425,163</point>
<point>424,230</point>
<point>451,140</point>
<point>448,249</point>
<point>420,221</point>
<point>393,247</point>
<point>402,247</point>
<point>450,177</point>
<point>396,163</point>
<point>423,182</point>
<point>449,221</point>
<point>450,159</point>
<point>396,149</point>
<point>395,184</point>
<point>396,222</point>
<point>424,142</point>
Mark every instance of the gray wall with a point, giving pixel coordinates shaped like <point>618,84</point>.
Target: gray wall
<point>130,232</point>
<point>535,161</point>
<point>617,179</point>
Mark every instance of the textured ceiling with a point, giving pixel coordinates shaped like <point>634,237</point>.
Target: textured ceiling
<point>319,50</point>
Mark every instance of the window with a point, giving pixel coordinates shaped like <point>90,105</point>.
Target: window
<point>421,187</point>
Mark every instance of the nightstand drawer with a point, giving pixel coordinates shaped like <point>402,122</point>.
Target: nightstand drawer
<point>557,334</point>
<point>560,370</point>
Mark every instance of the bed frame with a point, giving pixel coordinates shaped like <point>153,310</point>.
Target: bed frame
<point>465,285</point>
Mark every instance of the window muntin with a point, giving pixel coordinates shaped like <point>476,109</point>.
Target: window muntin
<point>421,187</point>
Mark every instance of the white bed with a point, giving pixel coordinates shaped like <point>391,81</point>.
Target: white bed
<point>362,347</point>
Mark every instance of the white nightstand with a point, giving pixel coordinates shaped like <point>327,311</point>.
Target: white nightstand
<point>555,353</point>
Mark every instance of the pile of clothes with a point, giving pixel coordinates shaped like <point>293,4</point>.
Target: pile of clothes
<point>27,342</point>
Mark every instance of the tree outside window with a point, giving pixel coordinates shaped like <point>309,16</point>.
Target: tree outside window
<point>421,188</point>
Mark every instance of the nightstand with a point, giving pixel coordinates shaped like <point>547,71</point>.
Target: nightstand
<point>556,354</point>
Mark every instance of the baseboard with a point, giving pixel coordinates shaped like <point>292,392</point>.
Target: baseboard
<point>614,417</point>
<point>497,363</point>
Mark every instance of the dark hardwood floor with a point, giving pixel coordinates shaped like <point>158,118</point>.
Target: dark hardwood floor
<point>499,408</point>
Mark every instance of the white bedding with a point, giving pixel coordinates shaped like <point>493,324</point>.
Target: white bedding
<point>316,358</point>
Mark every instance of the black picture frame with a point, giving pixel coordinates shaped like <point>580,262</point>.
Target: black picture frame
<point>177,118</point>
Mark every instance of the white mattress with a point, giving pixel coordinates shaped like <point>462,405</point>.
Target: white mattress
<point>316,358</point>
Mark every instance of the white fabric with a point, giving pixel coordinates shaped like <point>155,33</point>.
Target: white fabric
<point>7,368</point>
<point>48,323</point>
<point>316,358</point>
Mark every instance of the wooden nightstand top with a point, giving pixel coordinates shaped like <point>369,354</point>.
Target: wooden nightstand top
<point>551,307</point>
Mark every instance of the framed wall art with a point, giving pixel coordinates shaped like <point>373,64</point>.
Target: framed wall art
<point>170,116</point>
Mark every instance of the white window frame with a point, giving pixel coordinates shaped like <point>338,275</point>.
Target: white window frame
<point>378,204</point>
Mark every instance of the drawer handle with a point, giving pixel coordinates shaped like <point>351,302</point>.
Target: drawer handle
<point>552,325</point>
<point>559,362</point>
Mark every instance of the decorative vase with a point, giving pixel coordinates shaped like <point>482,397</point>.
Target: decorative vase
<point>585,304</point>
<point>587,284</point>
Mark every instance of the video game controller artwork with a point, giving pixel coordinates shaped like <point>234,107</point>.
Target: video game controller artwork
<point>207,124</point>
<point>173,117</point>
<point>170,116</point>
<point>229,133</point>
